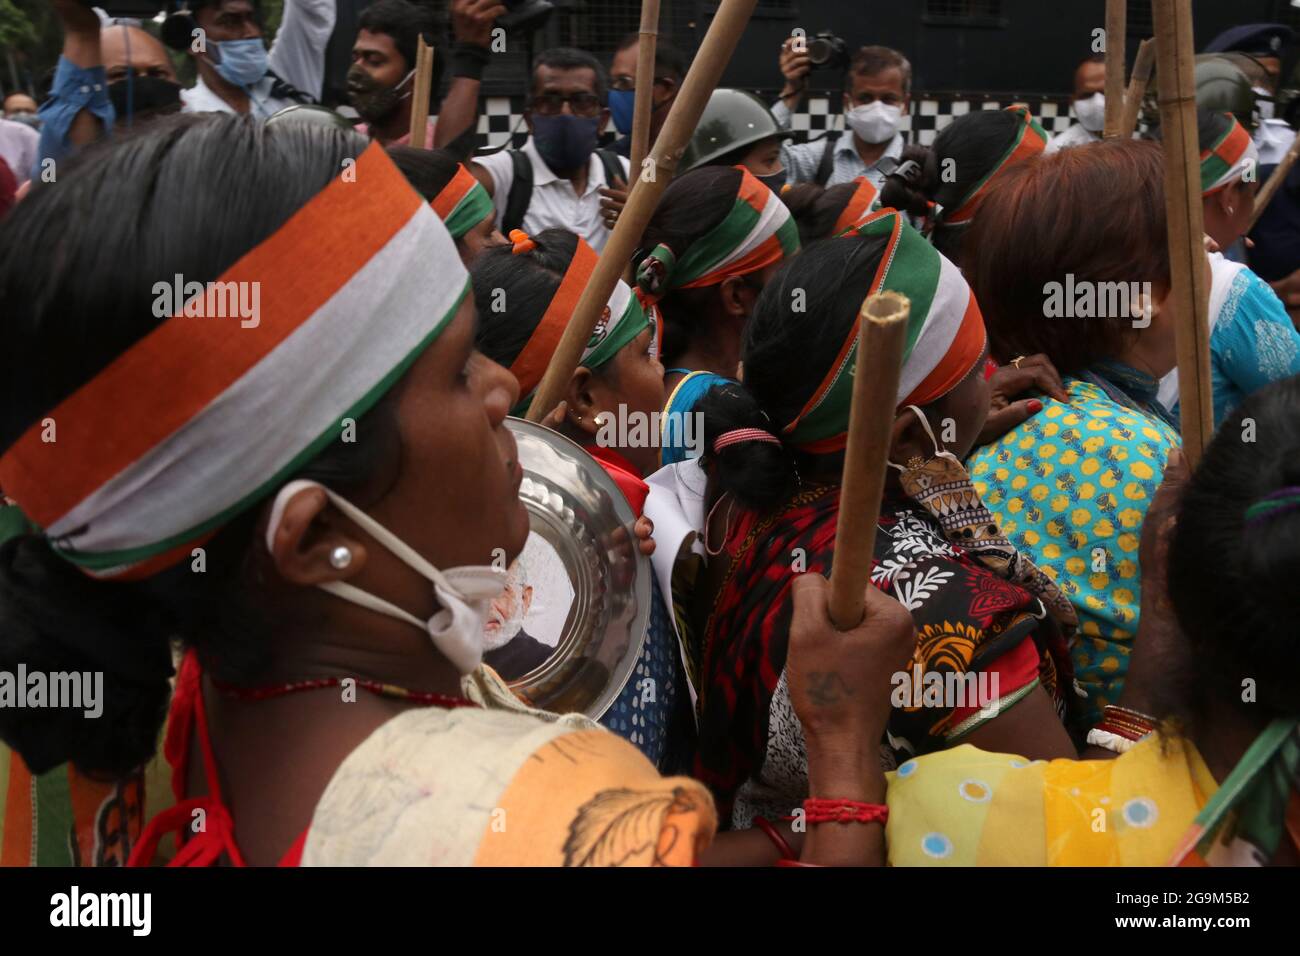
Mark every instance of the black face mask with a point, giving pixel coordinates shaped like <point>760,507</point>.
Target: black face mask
<point>149,95</point>
<point>774,181</point>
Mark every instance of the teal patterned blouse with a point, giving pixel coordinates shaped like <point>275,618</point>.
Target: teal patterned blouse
<point>1070,487</point>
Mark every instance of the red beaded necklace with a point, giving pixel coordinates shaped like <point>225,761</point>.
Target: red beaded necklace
<point>375,687</point>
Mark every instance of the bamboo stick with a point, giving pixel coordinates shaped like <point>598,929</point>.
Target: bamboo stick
<point>1189,266</point>
<point>1116,30</point>
<point>1270,188</point>
<point>1143,67</point>
<point>645,83</point>
<point>882,326</point>
<point>705,71</point>
<point>420,96</point>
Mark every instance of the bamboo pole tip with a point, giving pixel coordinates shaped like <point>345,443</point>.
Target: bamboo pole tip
<point>886,308</point>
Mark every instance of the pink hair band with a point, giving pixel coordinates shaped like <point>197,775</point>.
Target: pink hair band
<point>738,435</point>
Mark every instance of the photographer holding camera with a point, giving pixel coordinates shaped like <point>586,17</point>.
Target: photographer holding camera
<point>877,96</point>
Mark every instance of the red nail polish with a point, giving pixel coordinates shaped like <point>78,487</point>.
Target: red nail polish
<point>1035,405</point>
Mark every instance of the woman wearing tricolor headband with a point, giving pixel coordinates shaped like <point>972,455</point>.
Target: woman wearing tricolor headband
<point>525,295</point>
<point>1069,258</point>
<point>774,456</point>
<point>824,212</point>
<point>309,504</point>
<point>1252,339</point>
<point>717,236</point>
<point>457,197</point>
<point>969,155</point>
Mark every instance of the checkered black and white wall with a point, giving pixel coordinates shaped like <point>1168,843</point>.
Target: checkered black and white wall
<point>930,113</point>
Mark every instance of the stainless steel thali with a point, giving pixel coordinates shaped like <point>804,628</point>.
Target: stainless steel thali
<point>581,525</point>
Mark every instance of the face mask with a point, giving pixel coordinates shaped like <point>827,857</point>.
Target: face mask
<point>372,101</point>
<point>1263,102</point>
<point>942,486</point>
<point>464,593</point>
<point>143,94</point>
<point>620,108</point>
<point>1091,112</point>
<point>774,181</point>
<point>27,118</point>
<point>875,122</point>
<point>241,62</point>
<point>566,142</point>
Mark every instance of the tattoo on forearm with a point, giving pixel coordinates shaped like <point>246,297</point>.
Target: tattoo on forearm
<point>827,688</point>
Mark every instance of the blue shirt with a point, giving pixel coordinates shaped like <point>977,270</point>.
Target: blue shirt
<point>75,89</point>
<point>1252,343</point>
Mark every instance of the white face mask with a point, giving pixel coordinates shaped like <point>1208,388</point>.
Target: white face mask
<point>874,122</point>
<point>464,593</point>
<point>1264,102</point>
<point>1091,111</point>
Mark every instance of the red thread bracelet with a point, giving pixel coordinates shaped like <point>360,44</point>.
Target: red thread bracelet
<point>844,811</point>
<point>773,834</point>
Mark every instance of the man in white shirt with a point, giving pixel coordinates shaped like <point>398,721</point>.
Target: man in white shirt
<point>879,95</point>
<point>572,186</point>
<point>1089,105</point>
<point>236,74</point>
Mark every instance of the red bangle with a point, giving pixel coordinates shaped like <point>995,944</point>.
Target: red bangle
<point>844,811</point>
<point>773,834</point>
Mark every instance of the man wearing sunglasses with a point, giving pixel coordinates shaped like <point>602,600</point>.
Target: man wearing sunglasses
<point>560,179</point>
<point>670,69</point>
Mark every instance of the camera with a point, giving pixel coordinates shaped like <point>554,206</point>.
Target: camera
<point>826,51</point>
<point>525,16</point>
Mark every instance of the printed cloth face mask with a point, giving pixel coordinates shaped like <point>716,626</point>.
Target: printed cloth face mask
<point>942,486</point>
<point>465,593</point>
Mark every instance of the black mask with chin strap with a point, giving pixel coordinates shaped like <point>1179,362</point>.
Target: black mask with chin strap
<point>140,96</point>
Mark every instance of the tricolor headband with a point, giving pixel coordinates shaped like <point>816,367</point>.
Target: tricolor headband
<point>1029,141</point>
<point>858,208</point>
<point>204,416</point>
<point>1231,155</point>
<point>463,203</point>
<point>945,335</point>
<point>623,320</point>
<point>757,232</point>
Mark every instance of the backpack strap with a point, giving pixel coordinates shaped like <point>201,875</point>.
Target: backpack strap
<point>613,168</point>
<point>826,165</point>
<point>521,192</point>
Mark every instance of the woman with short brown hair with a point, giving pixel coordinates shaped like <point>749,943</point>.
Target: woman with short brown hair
<point>1068,258</point>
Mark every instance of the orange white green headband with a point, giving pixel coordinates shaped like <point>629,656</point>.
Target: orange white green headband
<point>757,232</point>
<point>1030,140</point>
<point>860,206</point>
<point>1228,159</point>
<point>945,335</point>
<point>463,203</point>
<point>206,416</point>
<point>623,320</point>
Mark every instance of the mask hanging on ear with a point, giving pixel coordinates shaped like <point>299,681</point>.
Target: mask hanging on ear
<point>942,486</point>
<point>464,593</point>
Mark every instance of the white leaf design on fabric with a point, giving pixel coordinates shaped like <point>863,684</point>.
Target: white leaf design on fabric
<point>912,594</point>
<point>1276,350</point>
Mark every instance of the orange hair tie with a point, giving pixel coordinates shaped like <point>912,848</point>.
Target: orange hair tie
<point>522,242</point>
